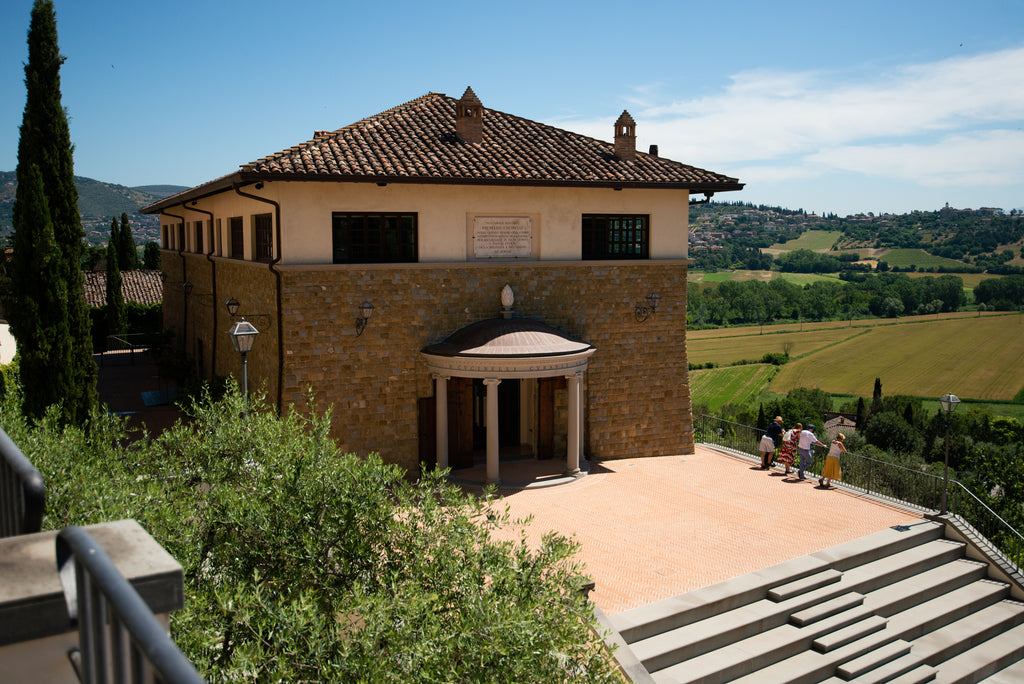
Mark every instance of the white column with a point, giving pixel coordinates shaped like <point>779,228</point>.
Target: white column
<point>492,429</point>
<point>441,417</point>
<point>572,457</point>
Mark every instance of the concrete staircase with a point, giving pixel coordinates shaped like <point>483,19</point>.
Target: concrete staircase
<point>903,605</point>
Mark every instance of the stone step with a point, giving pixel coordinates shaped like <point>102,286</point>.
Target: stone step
<point>825,609</point>
<point>667,648</point>
<point>804,585</point>
<point>881,544</point>
<point>758,651</point>
<point>900,566</point>
<point>1014,674</point>
<point>810,666</point>
<point>928,616</point>
<point>841,637</point>
<point>875,659</point>
<point>646,621</point>
<point>918,675</point>
<point>925,586</point>
<point>985,659</point>
<point>950,641</point>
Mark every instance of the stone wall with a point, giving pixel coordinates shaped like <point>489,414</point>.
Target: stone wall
<point>637,400</point>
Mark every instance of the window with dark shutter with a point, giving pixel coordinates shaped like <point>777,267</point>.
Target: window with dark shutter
<point>237,244</point>
<point>614,236</point>
<point>365,238</point>
<point>263,237</point>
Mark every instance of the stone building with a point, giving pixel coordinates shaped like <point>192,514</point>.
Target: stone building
<point>454,280</point>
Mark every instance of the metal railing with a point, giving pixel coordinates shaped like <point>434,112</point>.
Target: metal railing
<point>22,491</point>
<point>883,480</point>
<point>133,343</point>
<point>964,504</point>
<point>120,640</point>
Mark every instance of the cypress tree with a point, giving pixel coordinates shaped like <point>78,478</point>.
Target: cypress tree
<point>116,316</point>
<point>127,254</point>
<point>45,143</point>
<point>114,239</point>
<point>35,303</point>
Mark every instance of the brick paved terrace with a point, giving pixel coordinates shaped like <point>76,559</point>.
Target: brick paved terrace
<point>652,528</point>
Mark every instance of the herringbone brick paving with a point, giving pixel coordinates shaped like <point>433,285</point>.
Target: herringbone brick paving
<point>652,528</point>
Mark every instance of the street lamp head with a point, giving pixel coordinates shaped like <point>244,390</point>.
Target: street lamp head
<point>949,402</point>
<point>232,305</point>
<point>243,335</point>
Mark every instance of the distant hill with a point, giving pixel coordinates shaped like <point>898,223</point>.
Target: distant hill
<point>99,202</point>
<point>161,190</point>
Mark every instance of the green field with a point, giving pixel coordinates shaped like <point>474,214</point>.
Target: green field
<point>735,385</point>
<point>978,358</point>
<point>814,240</point>
<point>917,257</point>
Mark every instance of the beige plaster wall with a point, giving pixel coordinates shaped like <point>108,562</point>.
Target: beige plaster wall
<point>445,216</point>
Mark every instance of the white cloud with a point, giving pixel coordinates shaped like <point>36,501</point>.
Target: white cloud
<point>956,121</point>
<point>994,158</point>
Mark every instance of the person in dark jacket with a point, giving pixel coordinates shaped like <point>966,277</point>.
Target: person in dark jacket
<point>775,433</point>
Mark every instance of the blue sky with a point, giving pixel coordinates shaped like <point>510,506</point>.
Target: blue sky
<point>830,107</point>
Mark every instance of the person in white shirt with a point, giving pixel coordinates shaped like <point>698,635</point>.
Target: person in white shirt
<point>807,439</point>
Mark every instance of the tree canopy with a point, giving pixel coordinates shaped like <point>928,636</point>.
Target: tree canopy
<point>303,563</point>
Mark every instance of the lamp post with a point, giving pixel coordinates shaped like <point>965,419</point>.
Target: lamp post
<point>949,402</point>
<point>243,335</point>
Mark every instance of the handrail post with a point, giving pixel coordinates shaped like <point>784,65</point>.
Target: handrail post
<point>96,594</point>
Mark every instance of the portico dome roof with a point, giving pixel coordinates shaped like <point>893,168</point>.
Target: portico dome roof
<point>507,338</point>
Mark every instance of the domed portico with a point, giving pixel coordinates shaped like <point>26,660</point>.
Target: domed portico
<point>503,349</point>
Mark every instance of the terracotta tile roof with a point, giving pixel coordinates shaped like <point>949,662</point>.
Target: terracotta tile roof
<point>417,141</point>
<point>141,287</point>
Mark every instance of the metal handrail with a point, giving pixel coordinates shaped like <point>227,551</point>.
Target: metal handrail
<point>120,639</point>
<point>22,491</point>
<point>988,523</point>
<point>884,480</point>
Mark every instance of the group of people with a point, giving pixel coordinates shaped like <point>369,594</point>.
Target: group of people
<point>795,443</point>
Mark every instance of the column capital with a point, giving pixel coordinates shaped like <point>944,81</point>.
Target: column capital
<point>440,376</point>
<point>492,381</point>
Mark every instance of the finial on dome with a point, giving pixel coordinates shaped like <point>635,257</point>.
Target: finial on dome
<point>508,298</point>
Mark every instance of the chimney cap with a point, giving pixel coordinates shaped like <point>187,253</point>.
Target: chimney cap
<point>469,97</point>
<point>625,119</point>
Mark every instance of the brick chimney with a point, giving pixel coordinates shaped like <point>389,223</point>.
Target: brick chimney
<point>469,117</point>
<point>625,137</point>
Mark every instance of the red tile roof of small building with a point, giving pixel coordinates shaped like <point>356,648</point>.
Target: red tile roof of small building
<point>416,143</point>
<point>141,287</point>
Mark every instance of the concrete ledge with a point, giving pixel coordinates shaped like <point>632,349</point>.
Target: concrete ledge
<point>31,598</point>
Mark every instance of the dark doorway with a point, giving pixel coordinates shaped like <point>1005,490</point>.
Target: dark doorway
<point>508,413</point>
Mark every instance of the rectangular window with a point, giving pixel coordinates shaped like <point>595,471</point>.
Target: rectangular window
<point>181,237</point>
<point>614,236</point>
<point>263,237</point>
<point>220,239</point>
<point>164,236</point>
<point>210,236</point>
<point>364,238</point>
<point>199,237</point>
<point>235,238</point>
